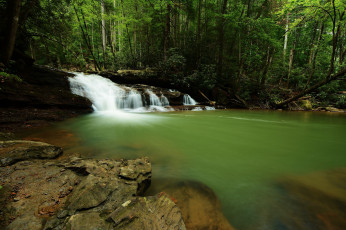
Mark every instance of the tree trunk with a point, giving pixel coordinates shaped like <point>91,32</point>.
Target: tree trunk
<point>86,39</point>
<point>286,40</point>
<point>13,11</point>
<point>166,34</point>
<point>328,79</point>
<point>221,38</point>
<point>198,37</point>
<point>103,29</point>
<point>312,61</point>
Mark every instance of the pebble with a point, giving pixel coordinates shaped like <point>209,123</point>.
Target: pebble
<point>16,199</point>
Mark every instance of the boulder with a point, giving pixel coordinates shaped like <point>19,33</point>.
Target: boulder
<point>200,207</point>
<point>18,150</point>
<point>147,213</point>
<point>320,199</point>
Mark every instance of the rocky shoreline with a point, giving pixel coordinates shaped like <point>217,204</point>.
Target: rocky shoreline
<point>44,193</point>
<point>41,188</point>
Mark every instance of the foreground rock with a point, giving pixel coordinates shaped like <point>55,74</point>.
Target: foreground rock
<point>18,150</point>
<point>200,207</point>
<point>83,194</point>
<point>320,198</point>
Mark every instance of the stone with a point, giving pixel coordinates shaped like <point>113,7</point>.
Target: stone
<point>200,207</point>
<point>147,213</point>
<point>18,150</point>
<point>306,104</point>
<point>320,198</point>
<point>89,193</point>
<point>332,109</point>
<point>92,221</point>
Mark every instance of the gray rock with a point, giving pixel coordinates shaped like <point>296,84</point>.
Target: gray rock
<point>90,221</point>
<point>18,150</point>
<point>26,222</point>
<point>91,192</point>
<point>148,213</point>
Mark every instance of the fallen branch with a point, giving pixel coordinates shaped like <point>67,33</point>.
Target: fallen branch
<point>337,76</point>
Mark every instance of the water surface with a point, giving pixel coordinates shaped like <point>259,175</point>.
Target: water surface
<point>241,155</point>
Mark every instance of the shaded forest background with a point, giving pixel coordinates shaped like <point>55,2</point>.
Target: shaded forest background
<point>267,53</point>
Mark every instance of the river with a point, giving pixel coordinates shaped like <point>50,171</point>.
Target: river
<point>242,155</point>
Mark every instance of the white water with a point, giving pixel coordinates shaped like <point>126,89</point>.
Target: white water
<point>107,96</point>
<point>187,100</point>
<point>164,100</point>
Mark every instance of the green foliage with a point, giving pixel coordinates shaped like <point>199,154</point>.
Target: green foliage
<point>204,78</point>
<point>197,43</point>
<point>175,62</point>
<point>9,77</point>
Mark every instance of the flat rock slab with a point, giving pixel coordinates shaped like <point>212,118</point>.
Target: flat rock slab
<point>76,193</point>
<point>18,150</point>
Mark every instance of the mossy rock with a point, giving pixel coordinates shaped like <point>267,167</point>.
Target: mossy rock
<point>306,104</point>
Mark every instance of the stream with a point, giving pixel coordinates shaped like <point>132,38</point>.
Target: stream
<point>242,155</point>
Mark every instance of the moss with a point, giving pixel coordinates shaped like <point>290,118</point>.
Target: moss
<point>306,104</point>
<point>11,77</point>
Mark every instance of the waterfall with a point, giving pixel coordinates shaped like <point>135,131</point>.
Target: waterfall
<point>187,100</point>
<point>107,96</point>
<point>154,99</point>
<point>164,101</point>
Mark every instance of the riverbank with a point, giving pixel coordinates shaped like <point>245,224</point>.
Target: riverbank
<point>41,188</point>
<point>36,97</point>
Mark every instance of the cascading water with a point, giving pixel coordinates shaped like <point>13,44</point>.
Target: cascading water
<point>164,100</point>
<point>154,99</point>
<point>187,100</point>
<point>107,96</point>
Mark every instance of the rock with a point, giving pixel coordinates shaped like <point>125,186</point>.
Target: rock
<point>332,109</point>
<point>26,222</point>
<point>44,95</point>
<point>91,192</point>
<point>18,150</point>
<point>306,104</point>
<point>75,193</point>
<point>320,198</point>
<point>147,213</point>
<point>200,207</point>
<point>90,221</point>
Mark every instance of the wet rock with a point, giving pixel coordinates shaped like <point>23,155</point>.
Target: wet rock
<point>91,192</point>
<point>44,95</point>
<point>84,221</point>
<point>200,207</point>
<point>305,104</point>
<point>320,198</point>
<point>147,213</point>
<point>332,109</point>
<point>76,193</point>
<point>26,222</point>
<point>18,150</point>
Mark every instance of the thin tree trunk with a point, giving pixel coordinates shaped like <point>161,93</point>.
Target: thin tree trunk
<point>328,79</point>
<point>314,55</point>
<point>286,40</point>
<point>103,29</point>
<point>13,11</point>
<point>86,39</point>
<point>166,34</point>
<point>198,43</point>
<point>221,38</point>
